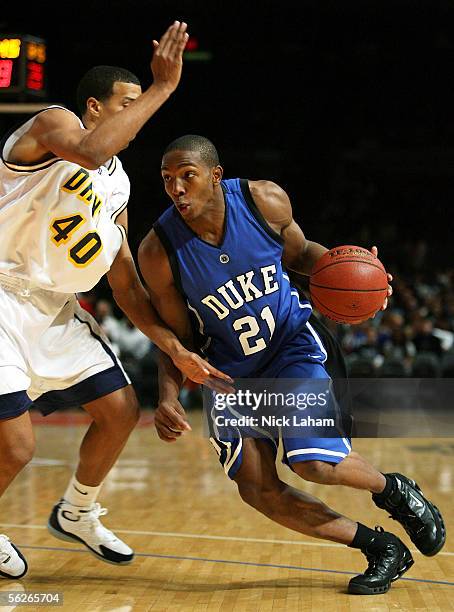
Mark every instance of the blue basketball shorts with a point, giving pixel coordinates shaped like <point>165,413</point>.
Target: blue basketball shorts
<point>294,362</point>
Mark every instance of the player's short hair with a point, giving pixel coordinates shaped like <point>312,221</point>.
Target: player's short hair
<point>193,142</point>
<point>98,83</point>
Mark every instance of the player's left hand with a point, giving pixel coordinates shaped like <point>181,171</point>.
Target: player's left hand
<point>167,62</point>
<point>374,252</point>
<point>200,371</point>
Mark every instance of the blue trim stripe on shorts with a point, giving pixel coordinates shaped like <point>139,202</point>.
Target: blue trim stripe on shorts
<point>87,390</point>
<point>14,404</point>
<point>230,454</point>
<point>92,388</point>
<point>329,450</point>
<point>105,346</point>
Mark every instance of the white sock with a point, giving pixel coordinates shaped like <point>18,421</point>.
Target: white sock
<point>79,494</point>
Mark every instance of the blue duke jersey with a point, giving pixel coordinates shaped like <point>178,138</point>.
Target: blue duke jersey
<point>244,306</point>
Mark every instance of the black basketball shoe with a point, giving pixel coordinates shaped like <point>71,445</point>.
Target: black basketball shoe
<point>388,559</point>
<point>420,518</point>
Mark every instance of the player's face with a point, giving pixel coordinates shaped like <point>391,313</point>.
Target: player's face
<point>122,96</point>
<point>189,182</point>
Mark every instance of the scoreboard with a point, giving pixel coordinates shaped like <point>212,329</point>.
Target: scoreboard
<point>22,67</point>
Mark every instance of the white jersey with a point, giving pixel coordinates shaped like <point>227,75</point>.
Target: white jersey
<point>57,219</point>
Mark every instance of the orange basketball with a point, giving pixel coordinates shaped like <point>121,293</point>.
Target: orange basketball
<point>348,284</point>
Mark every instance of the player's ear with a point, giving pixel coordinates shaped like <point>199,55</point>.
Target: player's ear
<point>217,174</point>
<point>94,106</point>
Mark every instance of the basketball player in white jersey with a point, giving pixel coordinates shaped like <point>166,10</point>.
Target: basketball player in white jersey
<point>63,197</point>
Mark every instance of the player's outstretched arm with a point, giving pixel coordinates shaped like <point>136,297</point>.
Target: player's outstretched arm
<point>155,268</point>
<point>131,296</point>
<point>133,299</point>
<point>170,419</point>
<point>300,254</point>
<point>57,132</point>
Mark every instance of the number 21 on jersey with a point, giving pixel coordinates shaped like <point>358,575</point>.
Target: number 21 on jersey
<point>250,328</point>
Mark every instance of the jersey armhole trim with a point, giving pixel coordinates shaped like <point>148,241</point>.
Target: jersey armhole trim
<point>116,213</point>
<point>122,231</point>
<point>30,167</point>
<point>112,166</point>
<point>42,166</point>
<point>161,234</point>
<point>244,184</point>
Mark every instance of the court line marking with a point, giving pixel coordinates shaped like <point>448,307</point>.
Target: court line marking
<point>202,536</point>
<point>234,562</point>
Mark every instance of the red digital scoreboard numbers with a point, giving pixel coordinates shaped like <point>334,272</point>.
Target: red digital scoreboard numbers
<point>22,67</point>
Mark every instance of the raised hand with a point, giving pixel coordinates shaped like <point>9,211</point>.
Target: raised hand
<point>167,61</point>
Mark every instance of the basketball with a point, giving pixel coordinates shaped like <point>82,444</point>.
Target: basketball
<point>348,284</point>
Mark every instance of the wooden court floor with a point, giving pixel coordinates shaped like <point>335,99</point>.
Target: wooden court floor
<point>199,547</point>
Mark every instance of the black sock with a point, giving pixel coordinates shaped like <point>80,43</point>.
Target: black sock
<point>389,489</point>
<point>364,537</point>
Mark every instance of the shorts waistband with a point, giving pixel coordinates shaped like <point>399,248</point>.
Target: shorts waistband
<point>24,287</point>
<point>17,285</point>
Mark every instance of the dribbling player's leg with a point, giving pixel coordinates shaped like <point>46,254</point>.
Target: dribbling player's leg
<point>16,450</point>
<point>353,471</point>
<point>76,517</point>
<point>260,487</point>
<point>398,495</point>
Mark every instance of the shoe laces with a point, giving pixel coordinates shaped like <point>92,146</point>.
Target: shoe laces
<point>89,520</point>
<point>375,560</point>
<point>407,518</point>
<point>5,548</point>
<point>96,511</point>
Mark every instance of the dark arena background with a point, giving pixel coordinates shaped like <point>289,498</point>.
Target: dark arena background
<point>349,106</point>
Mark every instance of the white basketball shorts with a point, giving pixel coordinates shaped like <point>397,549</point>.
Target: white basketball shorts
<point>53,353</point>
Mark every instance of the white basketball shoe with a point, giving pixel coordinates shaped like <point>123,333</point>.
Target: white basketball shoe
<point>78,524</point>
<point>12,563</point>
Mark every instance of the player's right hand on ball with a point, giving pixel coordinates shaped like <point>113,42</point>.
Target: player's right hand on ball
<point>170,420</point>
<point>167,61</point>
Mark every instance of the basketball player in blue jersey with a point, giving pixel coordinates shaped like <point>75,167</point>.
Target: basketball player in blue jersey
<point>218,255</point>
<point>63,197</point>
